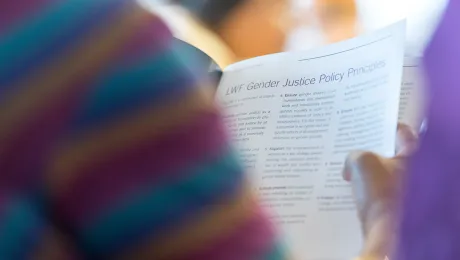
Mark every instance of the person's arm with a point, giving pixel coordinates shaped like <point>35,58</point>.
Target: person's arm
<point>430,225</point>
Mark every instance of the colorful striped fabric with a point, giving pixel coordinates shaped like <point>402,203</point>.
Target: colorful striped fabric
<point>110,143</point>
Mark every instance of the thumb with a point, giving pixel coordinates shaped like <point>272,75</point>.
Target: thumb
<point>370,178</point>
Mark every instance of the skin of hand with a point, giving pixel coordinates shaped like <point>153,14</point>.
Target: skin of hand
<point>376,183</point>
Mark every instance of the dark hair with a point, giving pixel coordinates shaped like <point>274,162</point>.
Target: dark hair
<point>211,12</point>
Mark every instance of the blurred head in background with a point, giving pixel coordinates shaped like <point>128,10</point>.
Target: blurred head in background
<point>337,18</point>
<point>249,27</point>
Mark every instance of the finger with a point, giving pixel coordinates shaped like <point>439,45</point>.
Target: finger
<point>349,165</point>
<point>406,140</point>
<point>368,174</point>
<point>395,167</point>
<point>359,161</point>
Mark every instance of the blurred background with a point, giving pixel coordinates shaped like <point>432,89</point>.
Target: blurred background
<point>231,30</point>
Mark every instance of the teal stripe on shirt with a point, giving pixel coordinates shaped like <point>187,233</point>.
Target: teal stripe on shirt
<point>132,86</point>
<point>159,207</point>
<point>277,252</point>
<point>44,28</point>
<point>21,226</point>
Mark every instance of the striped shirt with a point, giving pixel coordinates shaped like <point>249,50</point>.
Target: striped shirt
<point>110,143</point>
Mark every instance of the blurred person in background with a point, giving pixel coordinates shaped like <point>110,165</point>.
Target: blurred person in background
<point>337,18</point>
<point>111,147</point>
<point>239,29</point>
<point>320,22</point>
<point>249,28</point>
